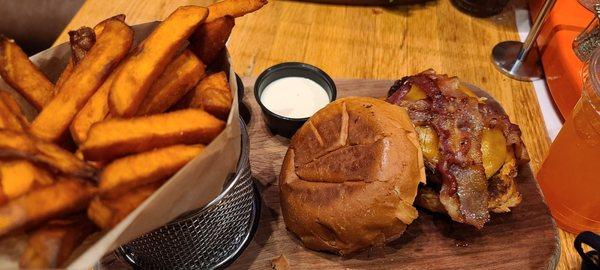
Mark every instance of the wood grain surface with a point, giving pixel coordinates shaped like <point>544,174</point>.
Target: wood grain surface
<point>369,43</point>
<point>526,238</point>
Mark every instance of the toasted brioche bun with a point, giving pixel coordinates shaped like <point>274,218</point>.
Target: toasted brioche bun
<point>350,176</point>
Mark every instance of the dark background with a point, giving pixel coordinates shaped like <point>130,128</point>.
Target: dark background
<point>35,24</point>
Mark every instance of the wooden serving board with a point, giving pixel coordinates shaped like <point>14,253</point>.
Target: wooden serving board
<point>526,238</point>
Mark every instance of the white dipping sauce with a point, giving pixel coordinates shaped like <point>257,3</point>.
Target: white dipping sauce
<point>294,97</point>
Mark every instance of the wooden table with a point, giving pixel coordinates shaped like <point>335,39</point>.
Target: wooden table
<point>370,42</point>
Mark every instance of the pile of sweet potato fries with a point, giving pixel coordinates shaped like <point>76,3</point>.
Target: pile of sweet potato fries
<point>119,121</point>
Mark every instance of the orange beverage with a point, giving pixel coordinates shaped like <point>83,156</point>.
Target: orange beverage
<point>570,175</point>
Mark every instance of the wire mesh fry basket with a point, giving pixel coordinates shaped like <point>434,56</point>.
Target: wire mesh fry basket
<point>207,238</point>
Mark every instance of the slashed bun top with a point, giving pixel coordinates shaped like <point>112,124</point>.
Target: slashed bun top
<point>350,176</point>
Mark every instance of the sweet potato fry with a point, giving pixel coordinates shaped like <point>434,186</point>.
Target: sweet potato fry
<point>179,77</point>
<point>119,137</point>
<point>64,75</point>
<point>112,45</point>
<point>21,176</point>
<point>107,213</point>
<point>151,58</point>
<point>209,38</point>
<point>20,73</point>
<point>81,42</point>
<point>16,176</point>
<point>100,26</point>
<point>84,38</point>
<point>95,110</point>
<point>11,116</point>
<point>129,172</point>
<point>66,196</point>
<point>20,145</point>
<point>69,68</point>
<point>51,245</point>
<point>233,8</point>
<point>213,95</point>
<point>11,102</point>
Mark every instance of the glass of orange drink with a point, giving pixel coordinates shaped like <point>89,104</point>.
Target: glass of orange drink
<point>570,175</point>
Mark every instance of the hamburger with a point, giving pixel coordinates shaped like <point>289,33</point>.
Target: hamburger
<point>471,149</point>
<point>350,176</point>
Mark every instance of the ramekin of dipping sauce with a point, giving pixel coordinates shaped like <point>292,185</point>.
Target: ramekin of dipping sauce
<point>290,93</point>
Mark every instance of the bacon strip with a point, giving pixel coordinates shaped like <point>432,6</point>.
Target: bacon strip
<point>458,123</point>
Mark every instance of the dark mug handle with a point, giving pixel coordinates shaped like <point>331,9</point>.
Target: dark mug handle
<point>592,240</point>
